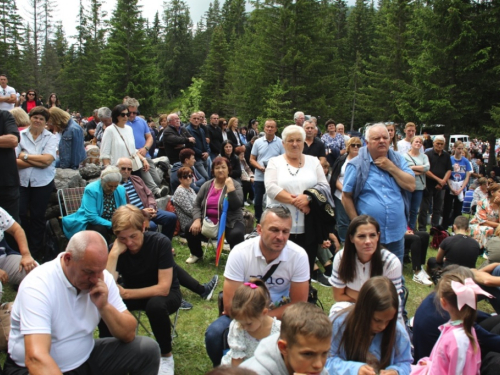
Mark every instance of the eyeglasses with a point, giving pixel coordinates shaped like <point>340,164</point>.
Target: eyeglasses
<point>126,169</point>
<point>124,114</point>
<point>356,145</point>
<point>132,113</point>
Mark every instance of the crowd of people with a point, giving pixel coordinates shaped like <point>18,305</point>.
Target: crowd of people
<point>343,212</point>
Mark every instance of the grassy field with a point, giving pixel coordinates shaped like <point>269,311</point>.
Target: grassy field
<point>189,346</point>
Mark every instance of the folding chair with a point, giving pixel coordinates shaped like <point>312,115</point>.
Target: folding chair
<point>466,206</point>
<point>138,314</point>
<point>69,200</point>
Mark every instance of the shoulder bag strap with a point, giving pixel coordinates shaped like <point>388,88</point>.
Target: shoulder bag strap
<point>206,202</point>
<point>121,136</point>
<point>270,272</point>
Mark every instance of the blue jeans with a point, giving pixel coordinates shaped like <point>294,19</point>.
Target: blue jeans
<point>397,248</point>
<point>167,220</point>
<point>342,218</point>
<point>214,338</point>
<point>201,168</point>
<point>260,190</point>
<point>416,199</point>
<point>495,302</point>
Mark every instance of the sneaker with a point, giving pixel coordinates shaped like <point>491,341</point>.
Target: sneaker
<point>185,305</point>
<point>160,193</point>
<point>166,366</point>
<point>421,279</point>
<point>322,280</point>
<point>425,274</point>
<point>192,259</point>
<point>209,288</point>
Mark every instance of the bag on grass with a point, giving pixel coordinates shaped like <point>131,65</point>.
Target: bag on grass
<point>5,310</point>
<point>438,235</point>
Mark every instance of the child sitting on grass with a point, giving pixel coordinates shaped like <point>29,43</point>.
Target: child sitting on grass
<point>251,322</point>
<point>301,347</point>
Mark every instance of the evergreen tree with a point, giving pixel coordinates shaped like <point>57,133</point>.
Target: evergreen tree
<point>11,28</point>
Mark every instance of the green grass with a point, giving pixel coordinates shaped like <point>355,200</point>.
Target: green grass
<point>189,346</point>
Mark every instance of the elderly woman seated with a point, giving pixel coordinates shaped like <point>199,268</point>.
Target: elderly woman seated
<point>100,200</point>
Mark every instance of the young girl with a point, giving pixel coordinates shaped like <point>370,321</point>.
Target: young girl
<point>368,339</point>
<point>457,350</point>
<point>251,322</point>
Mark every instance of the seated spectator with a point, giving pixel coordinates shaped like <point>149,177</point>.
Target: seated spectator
<point>493,248</point>
<point>417,243</point>
<point>486,218</point>
<point>247,179</point>
<point>480,193</point>
<point>362,258</point>
<point>175,138</point>
<point>71,146</point>
<point>184,198</point>
<point>22,119</point>
<point>489,279</point>
<point>149,277</point>
<point>100,200</point>
<point>458,249</point>
<point>209,202</point>
<point>368,337</point>
<point>270,256</point>
<point>305,328</point>
<point>227,151</point>
<point>429,317</point>
<point>140,196</point>
<point>187,160</point>
<point>56,312</point>
<point>13,266</point>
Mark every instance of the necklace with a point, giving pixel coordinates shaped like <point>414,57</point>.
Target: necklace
<point>298,169</point>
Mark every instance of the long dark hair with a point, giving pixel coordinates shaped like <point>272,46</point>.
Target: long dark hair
<point>223,152</point>
<point>347,268</point>
<point>376,295</point>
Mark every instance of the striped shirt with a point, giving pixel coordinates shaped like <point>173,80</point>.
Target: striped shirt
<point>132,194</point>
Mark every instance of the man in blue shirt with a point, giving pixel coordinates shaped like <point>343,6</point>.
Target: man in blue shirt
<point>377,183</point>
<point>143,142</point>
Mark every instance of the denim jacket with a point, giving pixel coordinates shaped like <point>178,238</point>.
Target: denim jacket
<point>71,146</point>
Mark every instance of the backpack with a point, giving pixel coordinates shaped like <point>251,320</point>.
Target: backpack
<point>438,235</point>
<point>55,240</point>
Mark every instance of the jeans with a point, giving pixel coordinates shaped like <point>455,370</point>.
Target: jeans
<point>167,220</point>
<point>495,302</point>
<point>214,338</point>
<point>436,197</point>
<point>397,248</point>
<point>201,168</point>
<point>260,190</point>
<point>416,199</point>
<point>342,218</point>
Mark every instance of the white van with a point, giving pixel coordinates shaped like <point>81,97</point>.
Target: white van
<point>459,137</point>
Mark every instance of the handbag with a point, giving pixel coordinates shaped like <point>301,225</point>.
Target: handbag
<point>136,160</point>
<point>208,228</point>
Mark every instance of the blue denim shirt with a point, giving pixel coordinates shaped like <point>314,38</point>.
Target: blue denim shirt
<point>46,143</point>
<point>71,146</point>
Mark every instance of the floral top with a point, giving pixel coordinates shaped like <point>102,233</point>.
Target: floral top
<point>484,213</point>
<point>241,344</point>
<point>338,142</point>
<point>109,206</point>
<point>183,200</point>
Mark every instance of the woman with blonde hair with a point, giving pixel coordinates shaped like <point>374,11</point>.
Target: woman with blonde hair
<point>21,117</point>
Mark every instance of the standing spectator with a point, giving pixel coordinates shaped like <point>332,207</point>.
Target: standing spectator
<point>176,138</point>
<point>92,125</point>
<point>163,121</point>
<point>334,142</point>
<point>234,136</point>
<point>393,139</point>
<point>8,96</point>
<point>419,164</point>
<point>378,183</point>
<point>299,118</point>
<point>201,150</point>
<point>32,101</point>
<point>253,129</point>
<point>71,146</point>
<point>9,183</point>
<point>36,154</point>
<point>22,119</point>
<point>21,99</point>
<point>312,144</point>
<point>405,145</point>
<point>264,149</point>
<point>223,127</point>
<point>104,114</point>
<point>436,179</point>
<point>53,101</point>
<point>215,136</point>
<point>340,130</point>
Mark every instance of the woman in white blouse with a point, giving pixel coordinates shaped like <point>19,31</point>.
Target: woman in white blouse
<point>286,178</point>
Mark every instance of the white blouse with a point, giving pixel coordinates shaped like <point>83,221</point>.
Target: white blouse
<point>112,145</point>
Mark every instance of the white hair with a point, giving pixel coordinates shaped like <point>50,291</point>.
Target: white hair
<point>79,243</point>
<point>293,129</point>
<point>377,125</point>
<point>104,113</point>
<point>132,102</point>
<point>297,114</point>
<point>110,174</point>
<point>439,138</point>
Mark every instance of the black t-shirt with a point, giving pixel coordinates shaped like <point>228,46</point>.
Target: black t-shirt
<point>460,249</point>
<point>141,270</point>
<point>317,148</point>
<point>10,174</point>
<point>91,125</point>
<point>439,165</point>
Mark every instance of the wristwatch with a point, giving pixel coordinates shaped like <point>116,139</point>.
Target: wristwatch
<point>147,148</point>
<point>25,157</point>
<point>309,198</point>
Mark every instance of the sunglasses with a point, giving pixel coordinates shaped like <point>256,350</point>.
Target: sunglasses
<point>132,113</point>
<point>124,114</point>
<point>278,207</point>
<point>356,145</point>
<point>30,93</point>
<point>188,176</point>
<point>126,169</point>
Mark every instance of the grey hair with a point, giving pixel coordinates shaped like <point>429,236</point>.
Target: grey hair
<point>377,125</point>
<point>103,113</point>
<point>132,102</point>
<point>339,124</point>
<point>95,111</point>
<point>110,174</point>
<point>308,122</point>
<point>293,129</point>
<point>297,114</point>
<point>281,211</point>
<point>439,138</point>
<point>79,243</point>
<point>169,117</point>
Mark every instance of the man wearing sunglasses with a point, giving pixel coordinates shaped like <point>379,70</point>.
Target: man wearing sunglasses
<point>140,196</point>
<point>8,96</point>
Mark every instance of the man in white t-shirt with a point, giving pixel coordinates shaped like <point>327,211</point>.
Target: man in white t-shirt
<point>57,310</point>
<point>404,145</point>
<point>288,284</point>
<point>8,96</point>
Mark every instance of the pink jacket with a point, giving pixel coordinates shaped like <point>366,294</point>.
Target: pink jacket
<point>452,354</point>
